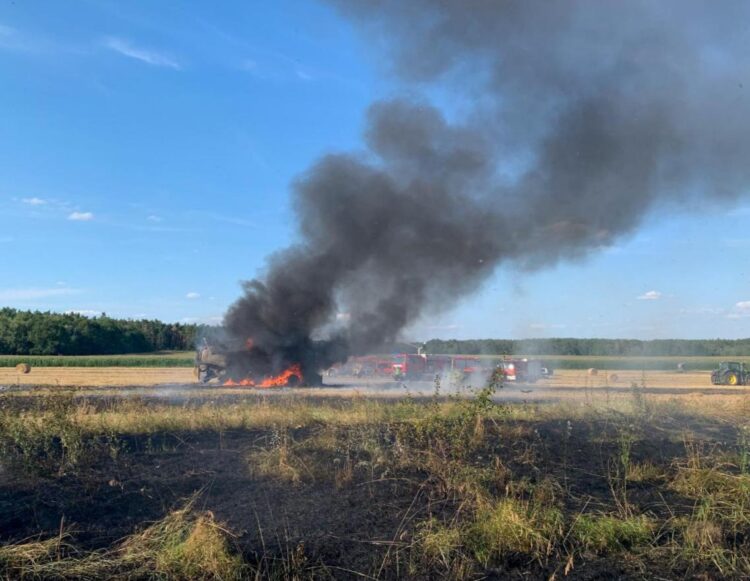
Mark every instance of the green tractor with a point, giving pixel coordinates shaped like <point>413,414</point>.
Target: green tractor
<point>731,373</point>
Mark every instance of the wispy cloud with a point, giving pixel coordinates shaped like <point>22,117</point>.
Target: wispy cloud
<point>226,219</point>
<point>210,320</point>
<point>34,201</point>
<point>275,66</point>
<point>11,39</point>
<point>741,310</point>
<point>736,242</point>
<point>651,295</point>
<point>193,295</point>
<point>26,294</point>
<point>84,312</point>
<point>545,326</point>
<point>268,64</point>
<point>81,216</point>
<point>148,56</point>
<point>702,311</point>
<point>154,218</point>
<point>739,211</point>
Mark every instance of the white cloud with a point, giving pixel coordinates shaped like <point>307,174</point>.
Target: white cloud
<point>193,295</point>
<point>83,312</point>
<point>81,216</point>
<point>26,294</point>
<point>154,218</point>
<point>651,295</point>
<point>741,310</point>
<point>147,56</point>
<point>34,201</point>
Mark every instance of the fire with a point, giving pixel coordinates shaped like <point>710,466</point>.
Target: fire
<point>279,380</point>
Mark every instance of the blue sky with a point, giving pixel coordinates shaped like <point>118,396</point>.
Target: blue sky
<point>148,149</point>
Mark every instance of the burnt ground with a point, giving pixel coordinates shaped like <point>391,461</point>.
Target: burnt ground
<point>355,519</point>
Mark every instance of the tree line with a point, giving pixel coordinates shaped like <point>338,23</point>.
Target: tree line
<point>593,347</point>
<point>47,333</point>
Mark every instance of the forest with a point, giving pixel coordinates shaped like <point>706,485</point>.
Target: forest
<point>593,347</point>
<point>48,333</point>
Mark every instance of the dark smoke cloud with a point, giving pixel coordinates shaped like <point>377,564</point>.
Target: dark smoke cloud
<point>576,119</point>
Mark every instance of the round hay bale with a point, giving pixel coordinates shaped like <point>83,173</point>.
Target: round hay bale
<point>593,371</point>
<point>23,368</point>
<point>613,377</point>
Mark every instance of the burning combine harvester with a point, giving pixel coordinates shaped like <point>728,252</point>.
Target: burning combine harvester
<point>245,365</point>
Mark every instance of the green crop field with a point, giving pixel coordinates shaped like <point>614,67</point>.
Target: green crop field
<point>638,363</point>
<point>186,359</point>
<point>161,359</point>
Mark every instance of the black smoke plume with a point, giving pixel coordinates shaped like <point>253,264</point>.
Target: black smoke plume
<point>569,122</point>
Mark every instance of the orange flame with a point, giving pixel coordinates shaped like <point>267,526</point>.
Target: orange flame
<point>279,380</point>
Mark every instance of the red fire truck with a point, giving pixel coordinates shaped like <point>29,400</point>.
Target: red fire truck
<point>523,370</point>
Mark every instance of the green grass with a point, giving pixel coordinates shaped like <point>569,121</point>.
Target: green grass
<point>162,359</point>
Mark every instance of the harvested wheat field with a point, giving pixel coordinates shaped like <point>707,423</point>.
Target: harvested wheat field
<point>97,376</point>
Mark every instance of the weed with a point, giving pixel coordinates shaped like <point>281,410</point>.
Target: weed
<point>512,526</point>
<point>644,472</point>
<point>743,445</point>
<point>278,460</point>
<point>607,533</point>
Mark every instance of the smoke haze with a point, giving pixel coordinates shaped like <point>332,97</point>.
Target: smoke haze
<point>575,120</point>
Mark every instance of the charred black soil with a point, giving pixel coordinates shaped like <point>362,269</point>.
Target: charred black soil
<point>388,489</point>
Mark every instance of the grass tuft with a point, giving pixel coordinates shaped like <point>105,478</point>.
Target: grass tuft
<point>514,527</point>
<point>185,545</point>
<point>605,533</point>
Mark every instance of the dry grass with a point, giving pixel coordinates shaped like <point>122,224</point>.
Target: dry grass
<point>186,544</point>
